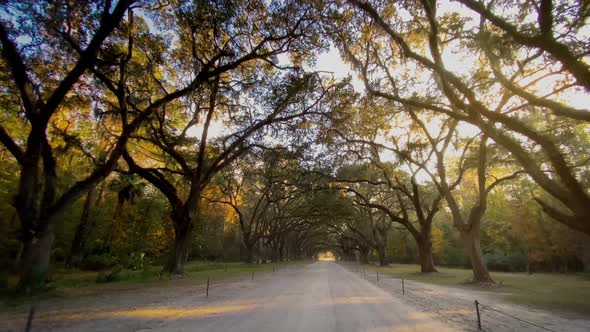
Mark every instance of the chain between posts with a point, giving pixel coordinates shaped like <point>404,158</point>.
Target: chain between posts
<point>478,309</point>
<point>487,307</point>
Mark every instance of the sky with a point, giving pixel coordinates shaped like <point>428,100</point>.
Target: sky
<point>328,62</point>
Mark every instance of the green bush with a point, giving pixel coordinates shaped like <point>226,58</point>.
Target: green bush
<point>98,262</point>
<point>59,255</point>
<point>148,272</point>
<point>136,261</point>
<point>512,262</point>
<point>455,257</point>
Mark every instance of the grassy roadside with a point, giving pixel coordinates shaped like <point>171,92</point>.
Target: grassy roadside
<point>565,292</point>
<point>73,283</point>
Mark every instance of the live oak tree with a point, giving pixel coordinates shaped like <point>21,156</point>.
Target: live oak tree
<point>247,193</point>
<point>400,197</point>
<point>419,148</point>
<point>246,89</point>
<point>230,59</point>
<point>43,76</point>
<point>404,201</point>
<point>270,200</point>
<point>495,101</point>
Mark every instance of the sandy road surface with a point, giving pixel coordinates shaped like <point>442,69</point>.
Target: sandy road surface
<point>322,296</point>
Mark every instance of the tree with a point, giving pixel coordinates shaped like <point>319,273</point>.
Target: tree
<point>241,63</point>
<point>399,195</point>
<point>248,195</point>
<point>506,115</point>
<point>40,100</point>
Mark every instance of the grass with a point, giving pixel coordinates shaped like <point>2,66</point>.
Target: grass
<point>71,283</point>
<point>565,292</point>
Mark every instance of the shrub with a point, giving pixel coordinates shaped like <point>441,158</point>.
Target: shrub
<point>136,261</point>
<point>512,262</point>
<point>98,262</point>
<point>146,272</point>
<point>456,257</point>
<point>59,255</point>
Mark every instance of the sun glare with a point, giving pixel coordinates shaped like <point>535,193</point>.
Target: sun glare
<point>327,256</point>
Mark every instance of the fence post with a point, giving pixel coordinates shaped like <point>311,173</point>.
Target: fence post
<point>364,273</point>
<point>377,276</point>
<point>252,275</point>
<point>403,288</point>
<point>30,319</point>
<point>207,291</point>
<point>478,316</point>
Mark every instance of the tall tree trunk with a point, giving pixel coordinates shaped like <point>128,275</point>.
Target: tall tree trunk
<point>471,240</point>
<point>382,246</point>
<point>364,255</point>
<point>19,256</point>
<point>36,259</point>
<point>274,252</point>
<point>114,222</point>
<point>81,231</point>
<point>381,254</point>
<point>425,255</point>
<point>183,228</point>
<point>249,255</point>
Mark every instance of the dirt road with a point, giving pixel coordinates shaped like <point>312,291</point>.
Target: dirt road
<point>322,296</point>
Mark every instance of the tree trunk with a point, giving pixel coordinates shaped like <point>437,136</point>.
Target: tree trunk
<point>472,245</point>
<point>274,251</point>
<point>281,253</point>
<point>364,255</point>
<point>81,231</point>
<point>114,223</point>
<point>37,256</point>
<point>183,228</point>
<point>19,256</point>
<point>249,257</point>
<point>425,255</point>
<point>381,254</point>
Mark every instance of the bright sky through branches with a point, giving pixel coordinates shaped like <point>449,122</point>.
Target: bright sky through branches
<point>455,59</point>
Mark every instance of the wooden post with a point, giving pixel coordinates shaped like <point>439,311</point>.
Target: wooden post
<point>207,291</point>
<point>478,316</point>
<point>364,272</point>
<point>377,276</point>
<point>30,319</point>
<point>403,288</point>
<point>252,275</point>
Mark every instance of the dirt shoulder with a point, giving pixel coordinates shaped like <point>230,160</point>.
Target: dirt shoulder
<point>55,313</point>
<point>455,305</point>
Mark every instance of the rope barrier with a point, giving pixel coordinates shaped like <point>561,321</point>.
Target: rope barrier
<point>483,306</point>
<point>518,319</point>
